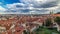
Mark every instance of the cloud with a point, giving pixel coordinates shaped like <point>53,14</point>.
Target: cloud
<point>33,7</point>
<point>41,3</point>
<point>2,9</point>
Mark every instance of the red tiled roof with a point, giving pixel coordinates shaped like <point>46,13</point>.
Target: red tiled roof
<point>3,32</point>
<point>19,30</point>
<point>7,23</point>
<point>56,15</point>
<point>9,31</point>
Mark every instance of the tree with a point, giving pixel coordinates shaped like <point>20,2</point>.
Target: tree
<point>26,32</point>
<point>48,22</point>
<point>57,19</point>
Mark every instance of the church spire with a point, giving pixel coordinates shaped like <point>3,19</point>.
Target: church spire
<point>51,12</point>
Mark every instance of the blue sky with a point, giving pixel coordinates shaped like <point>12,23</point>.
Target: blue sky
<point>4,2</point>
<point>29,6</point>
<point>9,1</point>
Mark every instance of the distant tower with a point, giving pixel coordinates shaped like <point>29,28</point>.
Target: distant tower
<point>52,15</point>
<point>51,12</point>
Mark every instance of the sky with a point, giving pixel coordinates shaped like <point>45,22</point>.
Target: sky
<point>29,6</point>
